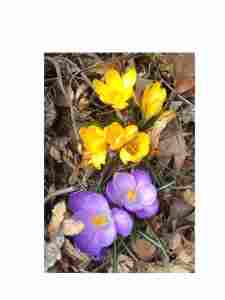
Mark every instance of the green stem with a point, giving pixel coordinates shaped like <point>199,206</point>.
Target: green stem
<point>115,264</point>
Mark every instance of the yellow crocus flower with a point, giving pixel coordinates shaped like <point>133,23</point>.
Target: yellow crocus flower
<point>93,138</point>
<point>117,136</point>
<point>117,89</point>
<point>136,149</point>
<point>152,100</point>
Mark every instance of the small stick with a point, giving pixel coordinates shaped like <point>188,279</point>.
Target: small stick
<point>60,192</point>
<point>174,91</point>
<point>166,186</point>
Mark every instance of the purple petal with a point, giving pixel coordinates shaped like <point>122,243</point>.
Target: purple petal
<point>107,235</point>
<point>142,177</point>
<point>146,194</point>
<point>111,194</point>
<point>148,211</point>
<point>87,200</point>
<point>123,182</point>
<point>123,221</point>
<point>133,205</point>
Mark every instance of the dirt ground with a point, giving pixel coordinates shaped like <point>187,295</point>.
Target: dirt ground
<point>167,241</point>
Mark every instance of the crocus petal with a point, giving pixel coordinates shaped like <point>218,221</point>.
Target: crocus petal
<point>123,182</point>
<point>87,200</point>
<point>129,78</point>
<point>113,79</point>
<point>93,138</point>
<point>98,159</point>
<point>112,195</point>
<point>142,177</point>
<point>152,101</point>
<point>146,194</point>
<point>102,90</point>
<point>125,156</point>
<point>148,211</point>
<point>123,221</point>
<point>130,132</point>
<point>136,149</point>
<point>107,236</point>
<point>115,135</point>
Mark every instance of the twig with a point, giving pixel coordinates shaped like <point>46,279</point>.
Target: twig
<point>182,187</point>
<point>60,82</point>
<point>175,92</point>
<point>166,186</point>
<point>78,70</point>
<point>60,192</point>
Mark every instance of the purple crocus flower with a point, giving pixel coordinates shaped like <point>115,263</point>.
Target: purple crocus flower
<point>93,211</point>
<point>135,192</point>
<point>123,221</point>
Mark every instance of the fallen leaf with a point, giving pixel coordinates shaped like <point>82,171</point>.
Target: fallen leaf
<point>72,227</point>
<point>173,146</point>
<point>58,214</point>
<point>184,85</point>
<point>175,241</point>
<point>188,114</point>
<point>55,153</point>
<point>79,259</point>
<point>158,127</point>
<point>175,267</point>
<point>125,264</point>
<point>52,251</point>
<point>180,209</point>
<point>189,197</point>
<point>184,64</point>
<point>144,249</point>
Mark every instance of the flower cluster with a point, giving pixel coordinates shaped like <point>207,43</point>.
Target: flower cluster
<point>105,217</point>
<point>116,90</point>
<point>131,144</point>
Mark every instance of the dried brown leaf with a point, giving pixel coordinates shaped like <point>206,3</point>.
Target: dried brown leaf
<point>158,127</point>
<point>180,209</point>
<point>175,241</point>
<point>58,214</point>
<point>184,85</point>
<point>52,251</point>
<point>173,145</point>
<point>189,197</point>
<point>72,227</point>
<point>55,153</point>
<point>125,264</point>
<point>144,249</point>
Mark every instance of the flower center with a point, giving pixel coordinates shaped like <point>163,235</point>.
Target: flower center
<point>132,148</point>
<point>100,220</point>
<point>131,195</point>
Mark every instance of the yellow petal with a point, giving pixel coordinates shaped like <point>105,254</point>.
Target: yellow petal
<point>113,79</point>
<point>93,138</point>
<point>136,149</point>
<point>115,135</point>
<point>130,132</point>
<point>102,90</point>
<point>98,159</point>
<point>129,78</point>
<point>125,156</point>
